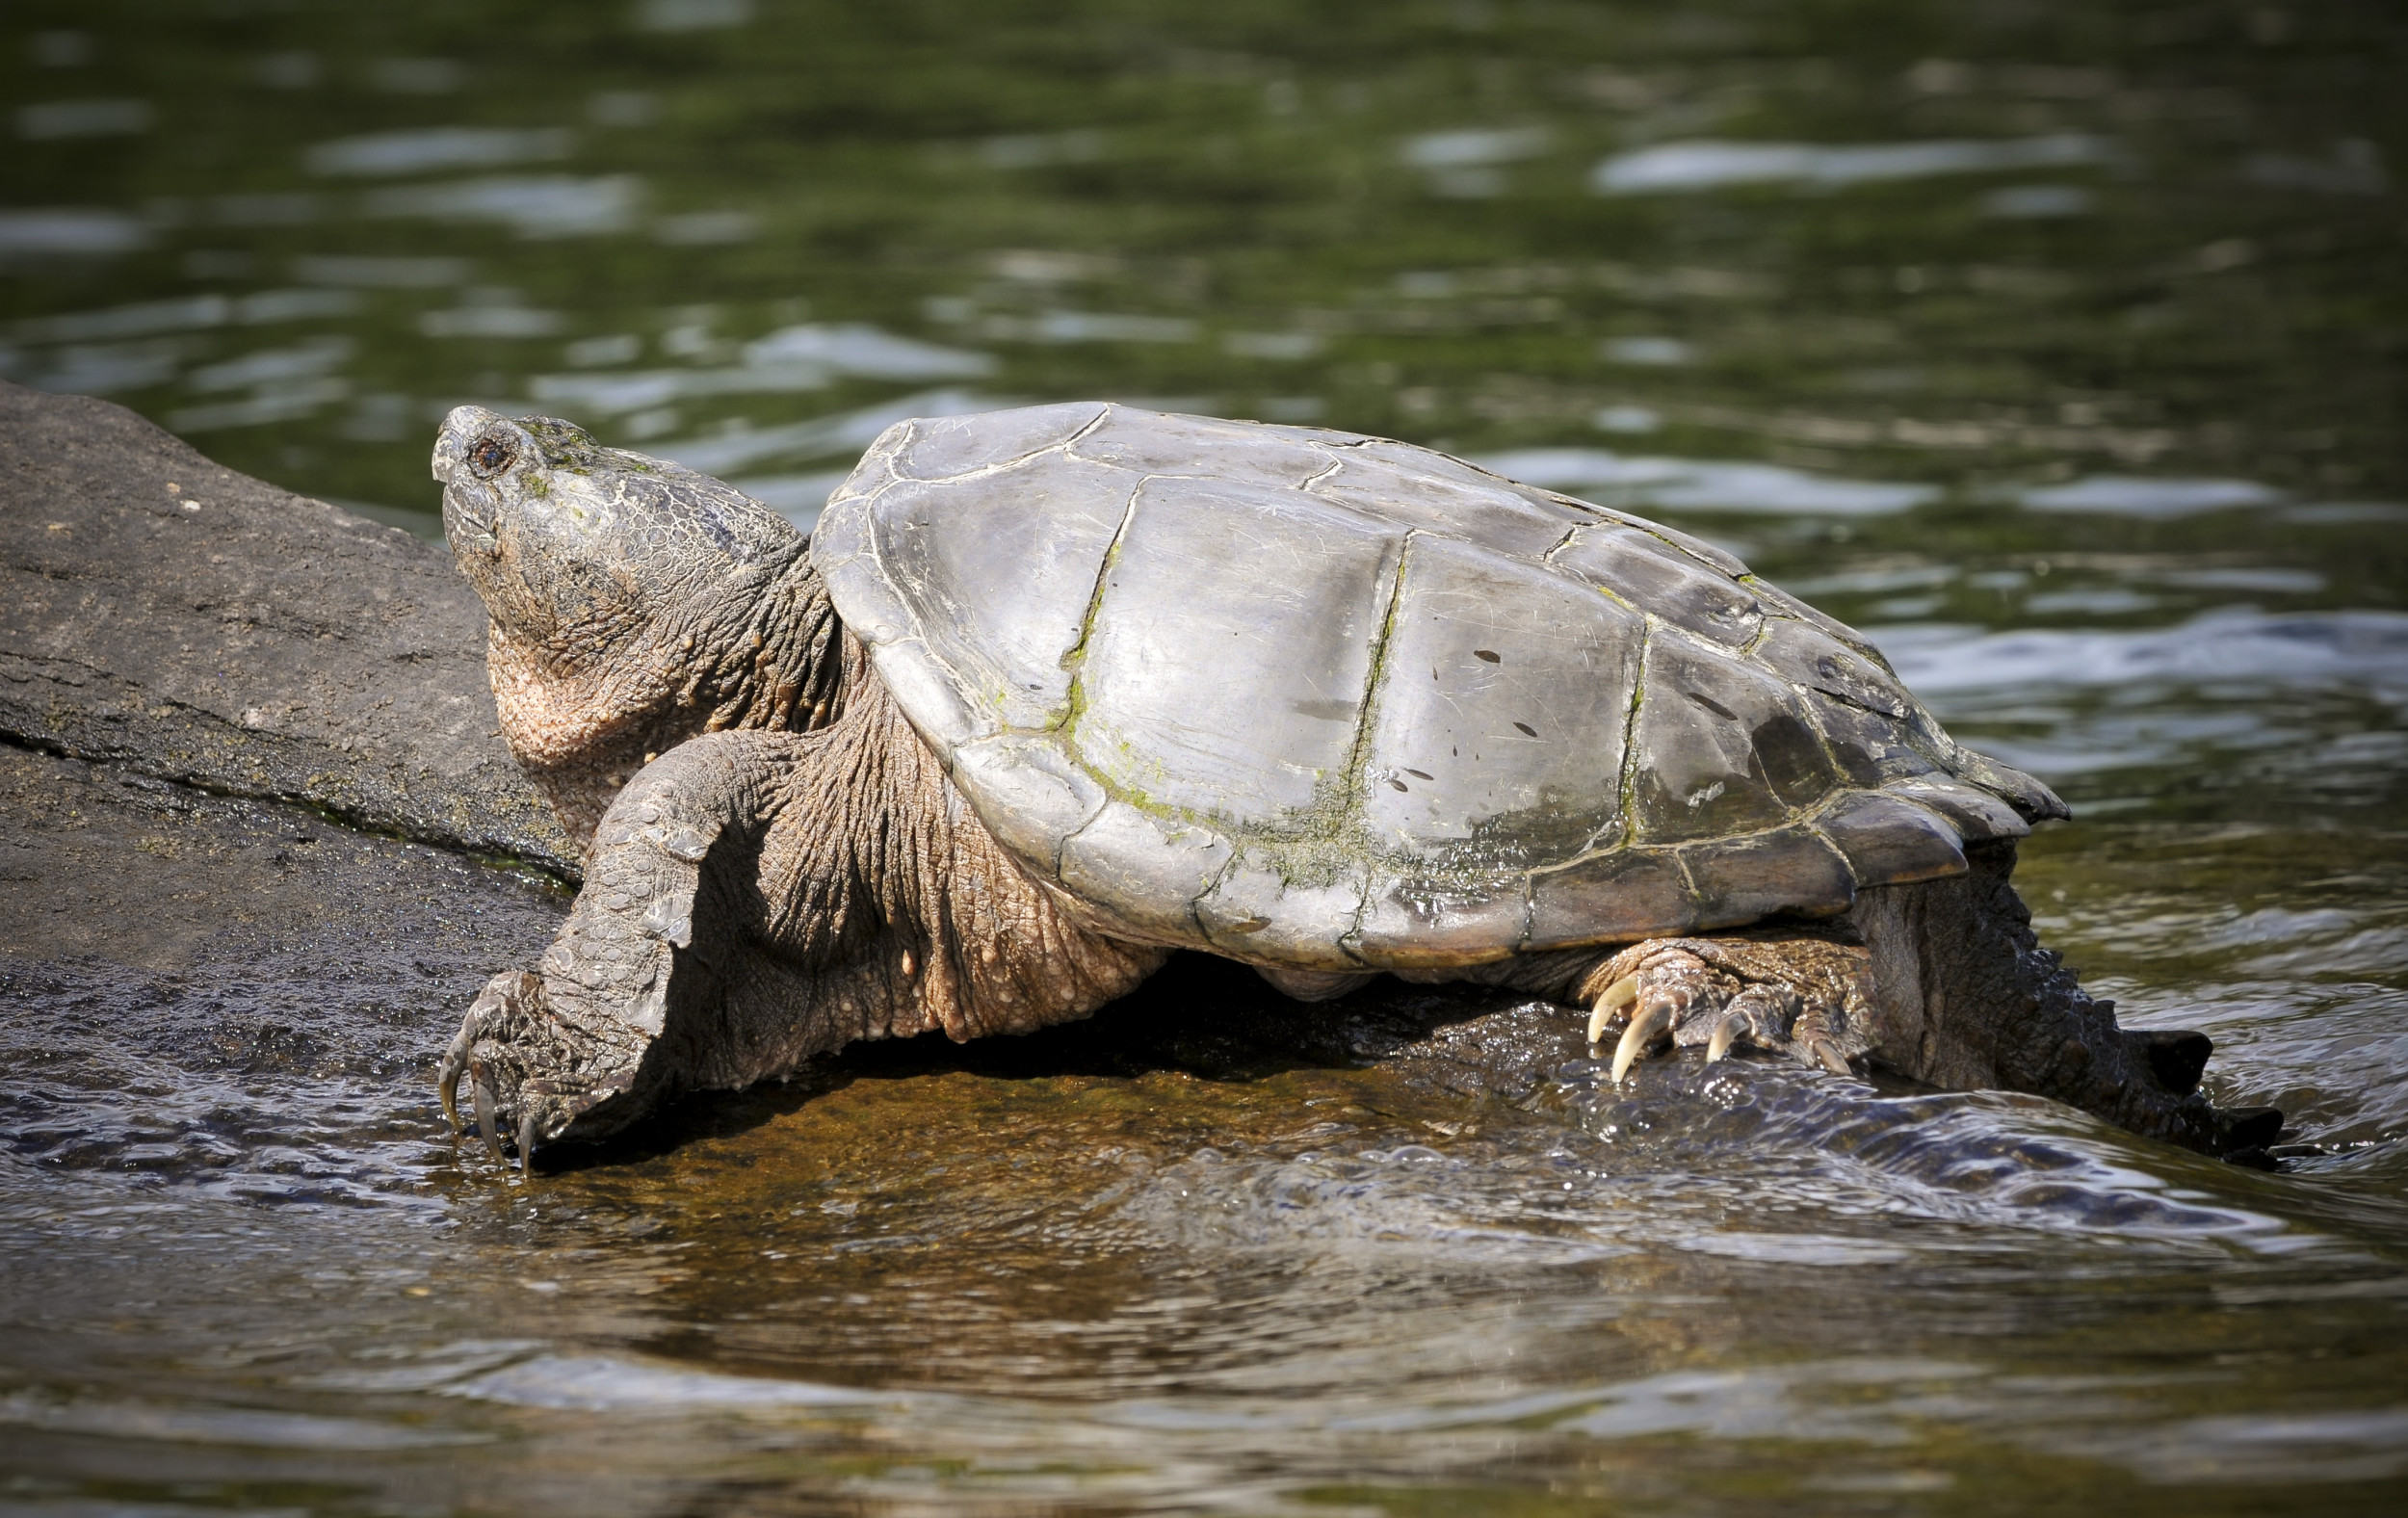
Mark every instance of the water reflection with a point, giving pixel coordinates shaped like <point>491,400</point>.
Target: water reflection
<point>2125,496</point>
<point>2343,651</point>
<point>1672,167</point>
<point>1670,486</point>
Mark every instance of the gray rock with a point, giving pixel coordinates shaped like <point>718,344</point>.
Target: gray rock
<point>163,613</point>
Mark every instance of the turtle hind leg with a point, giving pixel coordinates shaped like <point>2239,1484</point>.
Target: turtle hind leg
<point>1970,998</point>
<point>1802,996</point>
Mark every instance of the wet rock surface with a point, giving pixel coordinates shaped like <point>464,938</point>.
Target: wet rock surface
<point>194,624</point>
<point>209,980</point>
<point>229,993</point>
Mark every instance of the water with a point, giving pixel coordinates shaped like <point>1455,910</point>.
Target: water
<point>2057,346</point>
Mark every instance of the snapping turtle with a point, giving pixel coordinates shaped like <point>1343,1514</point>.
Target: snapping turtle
<point>1056,690</point>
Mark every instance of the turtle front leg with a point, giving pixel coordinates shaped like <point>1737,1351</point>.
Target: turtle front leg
<point>754,898</point>
<point>1802,996</point>
<point>562,1052</point>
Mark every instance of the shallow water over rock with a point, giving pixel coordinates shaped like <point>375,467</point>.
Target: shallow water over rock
<point>2046,344</point>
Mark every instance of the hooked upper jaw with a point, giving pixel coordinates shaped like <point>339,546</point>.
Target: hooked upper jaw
<point>471,505</point>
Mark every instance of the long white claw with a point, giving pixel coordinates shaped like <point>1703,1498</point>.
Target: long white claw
<point>447,1073</point>
<point>482,1098</point>
<point>1827,1056</point>
<point>447,1091</point>
<point>1646,1024</point>
<point>1726,1033</point>
<point>1620,994</point>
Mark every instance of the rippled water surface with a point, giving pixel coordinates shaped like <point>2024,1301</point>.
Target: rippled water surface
<point>2060,346</point>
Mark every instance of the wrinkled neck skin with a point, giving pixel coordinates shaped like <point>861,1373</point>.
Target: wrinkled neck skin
<point>635,603</point>
<point>589,696</point>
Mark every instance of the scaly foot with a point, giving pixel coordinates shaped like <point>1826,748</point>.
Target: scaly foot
<point>1805,997</point>
<point>539,1053</point>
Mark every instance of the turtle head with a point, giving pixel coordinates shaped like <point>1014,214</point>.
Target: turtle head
<point>621,589</point>
<point>564,537</point>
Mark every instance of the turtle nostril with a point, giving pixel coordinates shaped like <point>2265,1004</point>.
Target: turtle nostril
<point>489,454</point>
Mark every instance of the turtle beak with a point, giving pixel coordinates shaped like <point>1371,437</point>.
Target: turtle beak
<point>469,505</point>
<point>468,513</point>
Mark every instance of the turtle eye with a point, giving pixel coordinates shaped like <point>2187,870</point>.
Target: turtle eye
<point>490,454</point>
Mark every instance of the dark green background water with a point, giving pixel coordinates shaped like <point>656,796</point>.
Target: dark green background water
<point>2062,346</point>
